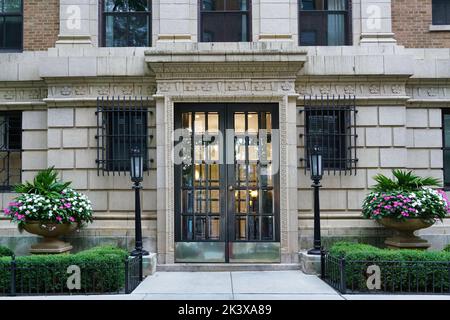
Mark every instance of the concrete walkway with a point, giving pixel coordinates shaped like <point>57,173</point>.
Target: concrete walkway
<point>235,285</point>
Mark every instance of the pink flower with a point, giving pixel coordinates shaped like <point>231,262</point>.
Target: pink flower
<point>63,200</point>
<point>405,214</point>
<point>61,207</point>
<point>72,219</point>
<point>7,211</point>
<point>59,218</point>
<point>67,205</point>
<point>27,212</point>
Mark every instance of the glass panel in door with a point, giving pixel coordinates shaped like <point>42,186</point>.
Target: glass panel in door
<point>252,209</point>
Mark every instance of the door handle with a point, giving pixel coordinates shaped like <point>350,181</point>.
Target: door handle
<point>230,188</point>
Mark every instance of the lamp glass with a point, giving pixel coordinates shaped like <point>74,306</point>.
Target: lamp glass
<point>316,163</point>
<point>136,168</point>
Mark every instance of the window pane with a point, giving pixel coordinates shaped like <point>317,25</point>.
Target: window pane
<point>447,167</point>
<point>2,26</point>
<point>115,6</point>
<point>441,12</point>
<point>447,130</point>
<point>13,32</point>
<point>116,31</point>
<point>138,31</point>
<point>12,6</point>
<point>137,5</point>
<point>213,27</point>
<point>213,5</point>
<point>237,5</point>
<point>236,27</point>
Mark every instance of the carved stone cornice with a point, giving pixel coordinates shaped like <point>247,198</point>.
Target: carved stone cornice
<point>84,89</point>
<point>367,89</point>
<point>22,93</point>
<point>195,64</point>
<point>226,88</point>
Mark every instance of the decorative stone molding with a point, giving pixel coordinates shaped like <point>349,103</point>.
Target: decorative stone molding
<point>225,87</point>
<point>361,89</point>
<point>92,90</point>
<point>22,94</point>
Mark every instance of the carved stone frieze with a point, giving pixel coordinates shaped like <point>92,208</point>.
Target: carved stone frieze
<point>22,94</point>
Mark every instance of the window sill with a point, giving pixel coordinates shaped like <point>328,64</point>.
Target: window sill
<point>438,28</point>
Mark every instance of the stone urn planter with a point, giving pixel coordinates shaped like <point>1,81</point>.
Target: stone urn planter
<point>405,238</point>
<point>50,233</point>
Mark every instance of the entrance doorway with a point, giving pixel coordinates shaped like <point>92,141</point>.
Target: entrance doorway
<point>227,183</point>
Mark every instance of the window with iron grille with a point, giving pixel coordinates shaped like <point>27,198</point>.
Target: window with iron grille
<point>127,23</point>
<point>122,125</point>
<point>225,20</point>
<point>446,146</point>
<point>330,124</point>
<point>324,22</point>
<point>10,149</point>
<point>441,12</point>
<point>11,25</point>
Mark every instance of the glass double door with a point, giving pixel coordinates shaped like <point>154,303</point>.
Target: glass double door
<point>226,183</point>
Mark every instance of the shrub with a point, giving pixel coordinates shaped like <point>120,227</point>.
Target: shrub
<point>447,248</point>
<point>102,271</point>
<point>5,252</point>
<point>401,270</point>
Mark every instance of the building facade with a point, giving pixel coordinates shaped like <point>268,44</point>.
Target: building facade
<point>83,81</point>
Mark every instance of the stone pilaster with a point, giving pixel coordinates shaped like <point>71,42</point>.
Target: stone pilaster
<point>75,23</point>
<point>375,21</point>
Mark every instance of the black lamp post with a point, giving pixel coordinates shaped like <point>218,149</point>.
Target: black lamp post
<point>137,173</point>
<point>316,167</point>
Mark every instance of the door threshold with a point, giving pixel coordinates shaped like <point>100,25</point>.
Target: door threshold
<point>217,267</point>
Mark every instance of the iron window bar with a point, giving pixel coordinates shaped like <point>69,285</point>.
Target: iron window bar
<point>122,124</point>
<point>330,124</point>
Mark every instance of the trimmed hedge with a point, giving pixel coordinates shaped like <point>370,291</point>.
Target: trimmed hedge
<point>6,252</point>
<point>102,271</point>
<point>401,270</point>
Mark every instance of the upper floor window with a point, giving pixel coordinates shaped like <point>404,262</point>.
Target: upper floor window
<point>441,12</point>
<point>225,20</point>
<point>127,23</point>
<point>324,22</point>
<point>11,25</point>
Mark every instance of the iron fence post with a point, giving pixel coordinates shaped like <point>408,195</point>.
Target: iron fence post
<point>342,275</point>
<point>13,275</point>
<point>141,273</point>
<point>127,289</point>
<point>322,264</point>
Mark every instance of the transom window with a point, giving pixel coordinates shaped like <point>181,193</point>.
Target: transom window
<point>441,12</point>
<point>127,23</point>
<point>11,25</point>
<point>225,20</point>
<point>324,22</point>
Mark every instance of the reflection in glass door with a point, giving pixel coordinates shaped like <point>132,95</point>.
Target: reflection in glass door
<point>226,189</point>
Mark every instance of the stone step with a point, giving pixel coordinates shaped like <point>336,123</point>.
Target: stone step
<point>217,267</point>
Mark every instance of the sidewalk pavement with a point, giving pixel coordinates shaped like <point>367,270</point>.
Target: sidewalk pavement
<point>236,285</point>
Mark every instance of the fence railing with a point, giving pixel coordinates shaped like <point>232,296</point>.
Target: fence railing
<point>31,279</point>
<point>383,276</point>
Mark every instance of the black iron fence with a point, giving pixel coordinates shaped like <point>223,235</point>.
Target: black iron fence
<point>383,276</point>
<point>28,279</point>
